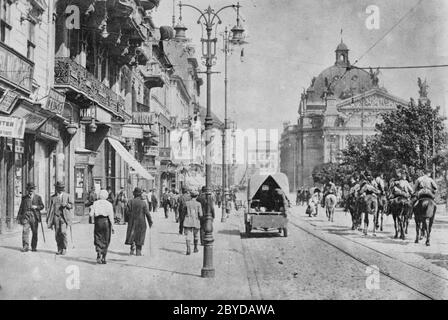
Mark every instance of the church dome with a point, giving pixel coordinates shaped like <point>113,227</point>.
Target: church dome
<point>342,47</point>
<point>343,83</point>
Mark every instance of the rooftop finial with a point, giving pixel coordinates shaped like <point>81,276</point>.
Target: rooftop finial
<point>341,35</point>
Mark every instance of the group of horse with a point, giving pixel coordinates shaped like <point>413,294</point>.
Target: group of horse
<point>375,206</point>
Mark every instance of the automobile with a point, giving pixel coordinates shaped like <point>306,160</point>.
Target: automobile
<point>261,212</point>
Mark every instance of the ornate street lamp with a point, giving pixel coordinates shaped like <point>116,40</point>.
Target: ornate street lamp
<point>237,39</point>
<point>209,18</point>
<point>72,127</point>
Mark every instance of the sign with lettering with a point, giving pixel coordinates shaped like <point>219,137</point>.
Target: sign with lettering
<point>152,151</point>
<point>143,118</point>
<point>11,127</point>
<point>87,114</point>
<point>51,128</point>
<point>165,153</point>
<point>55,102</point>
<point>8,101</point>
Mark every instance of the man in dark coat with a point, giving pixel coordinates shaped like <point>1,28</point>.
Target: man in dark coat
<point>29,217</point>
<point>166,196</point>
<point>60,216</point>
<point>202,199</point>
<point>136,211</point>
<point>154,201</point>
<point>182,201</point>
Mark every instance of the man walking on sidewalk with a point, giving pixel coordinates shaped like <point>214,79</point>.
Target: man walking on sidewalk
<point>136,212</point>
<point>154,201</point>
<point>166,202</point>
<point>29,217</point>
<point>182,207</point>
<point>192,221</point>
<point>59,216</point>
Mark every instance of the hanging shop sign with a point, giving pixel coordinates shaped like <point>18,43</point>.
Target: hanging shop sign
<point>55,102</point>
<point>11,127</point>
<point>50,130</point>
<point>165,153</point>
<point>8,101</point>
<point>152,151</point>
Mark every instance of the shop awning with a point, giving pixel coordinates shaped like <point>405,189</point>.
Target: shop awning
<point>129,159</point>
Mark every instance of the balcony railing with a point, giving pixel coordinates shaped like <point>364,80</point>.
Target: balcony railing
<point>154,76</point>
<point>15,68</point>
<point>70,74</point>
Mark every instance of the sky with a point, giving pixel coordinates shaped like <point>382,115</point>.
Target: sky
<point>290,41</point>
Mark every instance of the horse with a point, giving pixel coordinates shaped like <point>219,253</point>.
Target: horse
<point>400,208</point>
<point>382,208</point>
<point>330,204</point>
<point>371,208</point>
<point>424,214</point>
<point>353,206</point>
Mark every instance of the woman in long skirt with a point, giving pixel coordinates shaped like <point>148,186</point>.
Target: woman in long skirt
<point>103,213</point>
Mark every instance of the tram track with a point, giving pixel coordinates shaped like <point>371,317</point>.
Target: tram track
<point>366,263</point>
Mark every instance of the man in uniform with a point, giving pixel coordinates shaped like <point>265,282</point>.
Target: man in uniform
<point>60,216</point>
<point>425,186</point>
<point>29,217</point>
<point>401,190</point>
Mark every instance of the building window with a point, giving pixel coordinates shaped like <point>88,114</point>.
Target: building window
<point>5,20</point>
<point>31,40</point>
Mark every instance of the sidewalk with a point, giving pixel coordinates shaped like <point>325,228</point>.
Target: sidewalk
<point>163,272</point>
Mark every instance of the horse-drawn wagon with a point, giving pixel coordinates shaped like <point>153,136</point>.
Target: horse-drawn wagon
<point>267,207</point>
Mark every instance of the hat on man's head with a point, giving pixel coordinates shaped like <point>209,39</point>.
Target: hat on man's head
<point>59,185</point>
<point>30,185</point>
<point>194,193</point>
<point>137,192</point>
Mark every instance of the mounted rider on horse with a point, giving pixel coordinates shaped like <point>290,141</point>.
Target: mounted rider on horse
<point>425,206</point>
<point>400,204</point>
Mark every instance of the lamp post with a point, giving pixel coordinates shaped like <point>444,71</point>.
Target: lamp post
<point>433,147</point>
<point>236,39</point>
<point>209,18</point>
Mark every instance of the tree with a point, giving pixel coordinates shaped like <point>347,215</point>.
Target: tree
<point>339,174</point>
<point>404,140</point>
<point>441,161</point>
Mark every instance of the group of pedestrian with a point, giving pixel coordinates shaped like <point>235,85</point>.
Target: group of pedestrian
<point>190,209</point>
<point>58,217</point>
<point>303,196</point>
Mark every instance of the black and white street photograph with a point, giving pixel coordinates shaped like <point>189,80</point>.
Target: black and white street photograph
<point>245,151</point>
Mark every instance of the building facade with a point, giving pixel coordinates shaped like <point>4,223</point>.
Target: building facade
<point>341,101</point>
<point>29,122</point>
<point>89,96</point>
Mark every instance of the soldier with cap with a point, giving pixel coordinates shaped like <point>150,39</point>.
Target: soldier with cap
<point>192,222</point>
<point>29,216</point>
<point>60,216</point>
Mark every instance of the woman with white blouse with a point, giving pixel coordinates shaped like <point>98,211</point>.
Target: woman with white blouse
<point>103,213</point>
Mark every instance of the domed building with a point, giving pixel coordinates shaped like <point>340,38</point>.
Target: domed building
<point>342,100</point>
